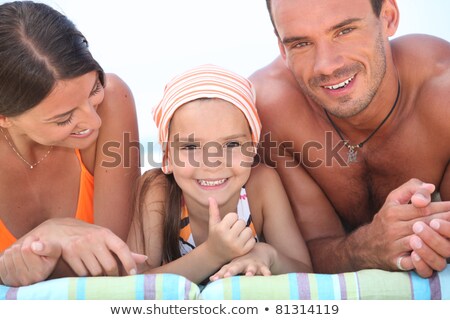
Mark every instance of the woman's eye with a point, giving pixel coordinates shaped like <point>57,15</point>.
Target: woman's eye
<point>97,89</point>
<point>65,122</point>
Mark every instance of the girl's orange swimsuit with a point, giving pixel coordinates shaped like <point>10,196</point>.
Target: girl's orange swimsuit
<point>85,207</point>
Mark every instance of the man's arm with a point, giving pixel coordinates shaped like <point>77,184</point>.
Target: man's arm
<point>431,57</point>
<point>375,245</point>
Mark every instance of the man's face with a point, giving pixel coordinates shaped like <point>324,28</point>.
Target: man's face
<point>336,50</point>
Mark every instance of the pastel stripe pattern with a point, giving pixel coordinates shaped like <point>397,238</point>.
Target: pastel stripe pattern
<point>361,285</point>
<point>350,286</point>
<point>149,287</point>
<point>303,290</point>
<point>205,81</point>
<point>444,279</point>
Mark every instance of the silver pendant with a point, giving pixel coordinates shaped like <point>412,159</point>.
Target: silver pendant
<point>351,155</point>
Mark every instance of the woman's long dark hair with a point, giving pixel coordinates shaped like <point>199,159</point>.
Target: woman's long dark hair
<point>38,46</point>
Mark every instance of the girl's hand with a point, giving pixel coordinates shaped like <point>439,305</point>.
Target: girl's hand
<point>257,262</point>
<point>229,237</point>
<point>28,262</point>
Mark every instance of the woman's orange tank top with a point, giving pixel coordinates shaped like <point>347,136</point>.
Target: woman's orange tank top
<point>85,206</point>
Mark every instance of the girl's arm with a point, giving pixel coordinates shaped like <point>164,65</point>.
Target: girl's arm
<point>280,229</point>
<point>284,249</point>
<point>227,238</point>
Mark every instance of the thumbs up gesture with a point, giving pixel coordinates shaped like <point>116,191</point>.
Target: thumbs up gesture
<point>229,237</point>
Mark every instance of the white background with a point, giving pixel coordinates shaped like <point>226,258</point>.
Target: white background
<point>147,42</point>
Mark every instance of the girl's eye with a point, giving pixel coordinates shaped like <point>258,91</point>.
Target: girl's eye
<point>65,122</point>
<point>189,147</point>
<point>232,144</point>
<point>98,88</point>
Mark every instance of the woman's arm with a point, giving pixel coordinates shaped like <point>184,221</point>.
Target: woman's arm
<point>116,165</point>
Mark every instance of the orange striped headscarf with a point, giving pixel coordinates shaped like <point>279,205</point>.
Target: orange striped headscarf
<point>206,81</point>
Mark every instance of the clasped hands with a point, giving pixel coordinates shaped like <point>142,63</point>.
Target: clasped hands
<point>410,232</point>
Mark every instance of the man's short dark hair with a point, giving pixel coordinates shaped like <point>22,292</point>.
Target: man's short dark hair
<point>376,7</point>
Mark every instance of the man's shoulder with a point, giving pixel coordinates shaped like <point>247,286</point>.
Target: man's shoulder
<point>275,86</point>
<point>421,56</point>
<point>423,63</point>
<point>275,73</point>
<point>420,44</point>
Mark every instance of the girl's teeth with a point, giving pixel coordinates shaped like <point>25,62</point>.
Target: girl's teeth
<point>211,183</point>
<point>339,85</point>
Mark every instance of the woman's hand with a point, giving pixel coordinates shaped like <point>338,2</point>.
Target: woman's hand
<point>90,250</point>
<point>28,262</point>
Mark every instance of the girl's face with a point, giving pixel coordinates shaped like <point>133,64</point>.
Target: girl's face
<point>210,151</point>
<point>67,117</point>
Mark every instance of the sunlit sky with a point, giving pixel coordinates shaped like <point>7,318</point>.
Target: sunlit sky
<point>147,42</point>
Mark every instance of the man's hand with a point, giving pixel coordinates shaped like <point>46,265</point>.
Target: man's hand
<point>405,223</point>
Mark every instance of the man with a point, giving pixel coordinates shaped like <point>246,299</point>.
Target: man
<point>348,117</point>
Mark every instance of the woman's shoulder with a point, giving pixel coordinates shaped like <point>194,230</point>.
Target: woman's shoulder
<point>115,82</point>
<point>118,100</point>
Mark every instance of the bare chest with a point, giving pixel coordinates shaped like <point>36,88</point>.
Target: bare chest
<point>357,185</point>
<point>29,197</point>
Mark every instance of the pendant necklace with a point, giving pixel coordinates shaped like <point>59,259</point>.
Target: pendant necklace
<point>352,149</point>
<point>30,165</point>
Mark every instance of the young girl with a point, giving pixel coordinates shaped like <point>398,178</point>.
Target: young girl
<point>207,212</point>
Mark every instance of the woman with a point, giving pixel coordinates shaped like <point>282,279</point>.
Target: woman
<point>60,115</point>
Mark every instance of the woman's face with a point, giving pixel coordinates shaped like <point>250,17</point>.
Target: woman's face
<point>67,117</point>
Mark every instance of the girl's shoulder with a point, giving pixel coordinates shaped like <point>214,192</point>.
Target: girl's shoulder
<point>262,176</point>
<point>264,184</point>
<point>265,192</point>
<point>152,186</point>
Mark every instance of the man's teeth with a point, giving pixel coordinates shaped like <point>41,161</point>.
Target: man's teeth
<point>81,132</point>
<point>339,85</point>
<point>211,183</point>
